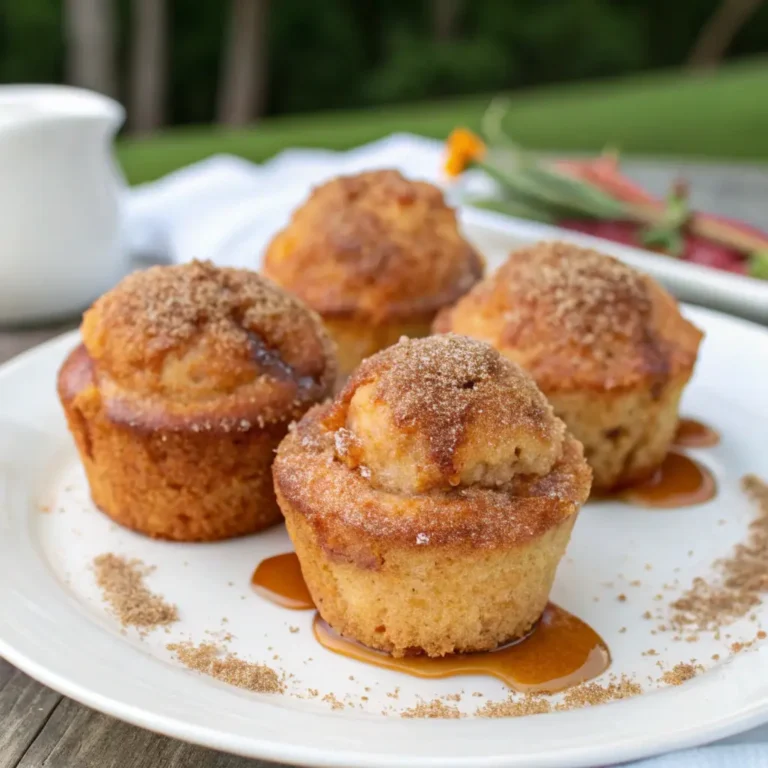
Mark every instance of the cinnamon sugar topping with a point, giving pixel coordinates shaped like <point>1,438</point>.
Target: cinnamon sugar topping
<point>375,246</point>
<point>435,382</point>
<point>577,318</point>
<point>447,388</point>
<point>236,321</point>
<point>592,294</point>
<point>170,304</point>
<point>306,467</point>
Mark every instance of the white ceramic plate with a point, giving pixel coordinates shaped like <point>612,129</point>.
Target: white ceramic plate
<point>54,625</point>
<point>495,235</point>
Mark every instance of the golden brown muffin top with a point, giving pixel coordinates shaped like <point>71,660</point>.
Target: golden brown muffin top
<point>575,318</point>
<point>440,441</point>
<point>357,522</point>
<point>374,246</point>
<point>444,411</point>
<point>176,342</point>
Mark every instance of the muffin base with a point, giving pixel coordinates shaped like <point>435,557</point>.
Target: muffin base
<point>183,485</point>
<point>626,434</point>
<point>355,339</point>
<point>432,600</point>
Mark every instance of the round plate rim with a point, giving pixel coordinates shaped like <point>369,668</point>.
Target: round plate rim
<point>749,716</point>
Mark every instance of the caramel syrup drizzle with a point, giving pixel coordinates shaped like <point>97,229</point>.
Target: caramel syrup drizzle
<point>695,434</point>
<point>559,652</point>
<point>279,580</point>
<point>680,481</point>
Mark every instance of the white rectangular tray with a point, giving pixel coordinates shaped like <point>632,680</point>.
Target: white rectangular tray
<point>495,235</point>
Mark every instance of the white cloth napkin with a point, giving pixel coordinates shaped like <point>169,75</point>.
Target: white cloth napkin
<point>226,209</point>
<point>717,756</point>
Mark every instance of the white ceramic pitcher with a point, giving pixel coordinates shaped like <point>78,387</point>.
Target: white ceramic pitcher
<point>60,196</point>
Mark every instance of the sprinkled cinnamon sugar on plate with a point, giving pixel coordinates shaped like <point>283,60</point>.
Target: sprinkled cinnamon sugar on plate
<point>211,659</point>
<point>432,710</point>
<point>743,575</point>
<point>590,694</point>
<point>583,695</point>
<point>451,697</point>
<point>529,704</point>
<point>680,674</point>
<point>737,586</point>
<point>122,584</point>
<point>331,699</point>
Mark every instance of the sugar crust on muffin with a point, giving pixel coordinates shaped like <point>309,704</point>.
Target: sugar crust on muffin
<point>451,542</point>
<point>376,255</point>
<point>606,344</point>
<point>185,382</point>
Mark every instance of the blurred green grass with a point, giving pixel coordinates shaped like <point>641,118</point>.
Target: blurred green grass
<point>719,115</point>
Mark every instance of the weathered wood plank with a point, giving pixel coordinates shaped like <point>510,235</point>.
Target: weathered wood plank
<point>77,737</point>
<point>25,707</point>
<point>6,672</point>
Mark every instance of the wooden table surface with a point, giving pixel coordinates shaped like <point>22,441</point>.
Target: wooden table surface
<point>39,727</point>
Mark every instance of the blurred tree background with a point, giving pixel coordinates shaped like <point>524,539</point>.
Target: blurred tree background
<point>234,61</point>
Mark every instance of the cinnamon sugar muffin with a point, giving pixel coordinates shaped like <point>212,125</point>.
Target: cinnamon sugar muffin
<point>185,383</point>
<point>606,344</point>
<point>431,502</point>
<point>376,256</point>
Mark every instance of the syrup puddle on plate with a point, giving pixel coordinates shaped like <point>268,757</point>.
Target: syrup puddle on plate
<point>680,481</point>
<point>561,651</point>
<point>279,580</point>
<point>695,434</point>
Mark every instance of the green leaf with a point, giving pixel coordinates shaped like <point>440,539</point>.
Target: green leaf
<point>515,186</point>
<point>668,235</point>
<point>514,207</point>
<point>577,194</point>
<point>527,184</point>
<point>758,265</point>
<point>671,240</point>
<point>492,124</point>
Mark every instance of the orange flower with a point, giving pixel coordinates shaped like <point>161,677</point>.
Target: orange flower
<point>463,148</point>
